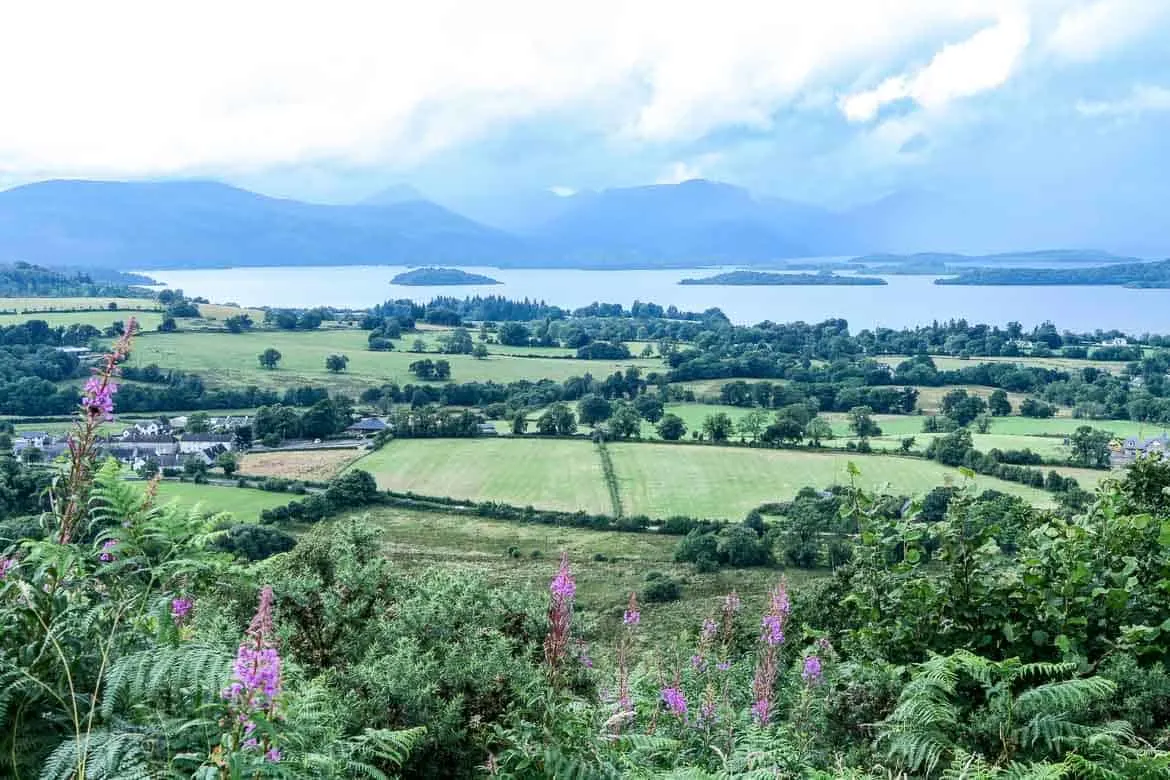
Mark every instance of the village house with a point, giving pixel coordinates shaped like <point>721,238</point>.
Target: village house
<point>367,426</point>
<point>1129,449</point>
<point>192,443</point>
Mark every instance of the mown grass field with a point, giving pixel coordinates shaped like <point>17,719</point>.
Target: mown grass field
<point>555,474</point>
<point>244,504</point>
<point>658,480</point>
<point>147,320</point>
<point>50,304</point>
<point>317,465</point>
<point>231,359</point>
<point>417,541</point>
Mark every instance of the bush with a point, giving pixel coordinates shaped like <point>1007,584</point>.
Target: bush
<point>661,590</point>
<point>255,542</point>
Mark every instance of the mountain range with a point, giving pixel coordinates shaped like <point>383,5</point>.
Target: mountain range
<point>193,224</point>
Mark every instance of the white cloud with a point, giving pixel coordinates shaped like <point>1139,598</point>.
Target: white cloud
<point>562,192</point>
<point>141,87</point>
<point>1142,98</point>
<point>982,62</point>
<point>1089,30</point>
<point>678,173</point>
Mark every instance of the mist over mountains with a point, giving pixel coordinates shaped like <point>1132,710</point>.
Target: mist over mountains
<point>194,224</point>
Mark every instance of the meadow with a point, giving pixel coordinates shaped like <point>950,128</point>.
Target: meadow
<point>318,465</point>
<point>947,363</point>
<point>244,504</point>
<point>231,359</point>
<point>658,480</point>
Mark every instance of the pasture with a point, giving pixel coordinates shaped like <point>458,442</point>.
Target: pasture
<point>552,474</point>
<point>231,359</point>
<point>658,480</point>
<point>244,504</point>
<point>948,363</point>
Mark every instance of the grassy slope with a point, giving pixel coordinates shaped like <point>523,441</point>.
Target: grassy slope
<point>1066,364</point>
<point>553,474</point>
<point>655,479</point>
<point>232,359</point>
<point>244,503</point>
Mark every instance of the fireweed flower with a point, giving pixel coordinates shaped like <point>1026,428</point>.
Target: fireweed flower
<point>675,700</point>
<point>812,672</point>
<point>179,609</point>
<point>98,397</point>
<point>560,616</point>
<point>709,629</point>
<point>771,637</point>
<point>632,616</point>
<point>106,556</point>
<point>256,678</point>
<point>6,565</point>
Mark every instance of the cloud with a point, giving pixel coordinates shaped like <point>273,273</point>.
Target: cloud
<point>678,173</point>
<point>982,62</point>
<point>561,191</point>
<point>1088,31</point>
<point>1142,98</point>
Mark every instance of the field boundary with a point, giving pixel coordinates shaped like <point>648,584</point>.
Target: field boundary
<point>609,474</point>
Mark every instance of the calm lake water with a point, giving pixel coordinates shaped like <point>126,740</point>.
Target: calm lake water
<point>905,301</point>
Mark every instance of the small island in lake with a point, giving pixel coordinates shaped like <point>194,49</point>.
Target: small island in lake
<point>754,278</point>
<point>441,276</point>
<point>1151,275</point>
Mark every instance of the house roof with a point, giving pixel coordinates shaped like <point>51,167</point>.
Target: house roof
<point>33,435</point>
<point>209,437</point>
<point>368,424</point>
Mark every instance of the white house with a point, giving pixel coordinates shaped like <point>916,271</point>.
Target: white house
<point>198,442</point>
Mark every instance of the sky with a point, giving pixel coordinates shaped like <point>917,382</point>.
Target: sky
<point>833,102</point>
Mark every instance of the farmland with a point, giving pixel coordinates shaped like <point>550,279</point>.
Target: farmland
<point>946,363</point>
<point>658,480</point>
<point>244,504</point>
<point>319,465</point>
<point>231,360</point>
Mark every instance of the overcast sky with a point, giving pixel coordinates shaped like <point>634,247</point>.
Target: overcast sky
<point>831,101</point>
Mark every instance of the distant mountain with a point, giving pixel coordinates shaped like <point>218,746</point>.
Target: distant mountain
<point>192,224</point>
<point>695,222</point>
<point>393,195</point>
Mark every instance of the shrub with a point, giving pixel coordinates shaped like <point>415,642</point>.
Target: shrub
<point>661,590</point>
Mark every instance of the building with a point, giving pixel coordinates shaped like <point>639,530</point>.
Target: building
<point>1128,450</point>
<point>146,428</point>
<point>1117,342</point>
<point>198,442</point>
<point>367,426</point>
<point>487,429</point>
<point>36,439</point>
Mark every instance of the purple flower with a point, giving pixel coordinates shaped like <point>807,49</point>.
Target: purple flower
<point>106,556</point>
<point>98,397</point>
<point>632,616</point>
<point>709,629</point>
<point>698,662</point>
<point>562,585</point>
<point>723,666</point>
<point>707,711</point>
<point>273,755</point>
<point>812,670</point>
<point>731,603</point>
<point>256,678</point>
<point>675,700</point>
<point>179,609</point>
<point>824,645</point>
<point>761,710</point>
<point>6,565</point>
<point>773,629</point>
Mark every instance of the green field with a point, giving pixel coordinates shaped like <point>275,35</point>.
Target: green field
<point>243,503</point>
<point>231,359</point>
<point>147,320</point>
<point>658,480</point>
<point>556,474</point>
<point>946,363</point>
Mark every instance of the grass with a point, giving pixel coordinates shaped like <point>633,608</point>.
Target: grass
<point>231,359</point>
<point>317,465</point>
<point>930,398</point>
<point>50,304</point>
<point>551,474</point>
<point>658,480</point>
<point>147,320</point>
<point>244,504</point>
<point>946,363</point>
<point>662,480</point>
<point>417,541</point>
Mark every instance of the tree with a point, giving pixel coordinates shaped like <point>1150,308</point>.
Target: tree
<point>962,407</point>
<point>168,325</point>
<point>650,407</point>
<point>907,444</point>
<point>1033,408</point>
<point>982,423</point>
<point>353,488</point>
<point>513,334</point>
<point>228,462</point>
<point>861,422</point>
<point>718,427</point>
<point>672,427</point>
<point>442,369</point>
<point>625,422</point>
<point>752,424</point>
<point>783,430</point>
<point>593,409</point>
<point>952,448</point>
<point>999,404</point>
<point>238,323</point>
<point>457,342</point>
<point>269,358</point>
<point>418,346</point>
<point>479,351</point>
<point>557,420</point>
<point>1090,447</point>
<point>818,430</point>
<point>195,468</point>
<point>336,363</point>
<point>739,545</point>
<point>198,422</point>
<point>149,468</point>
<point>519,423</point>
